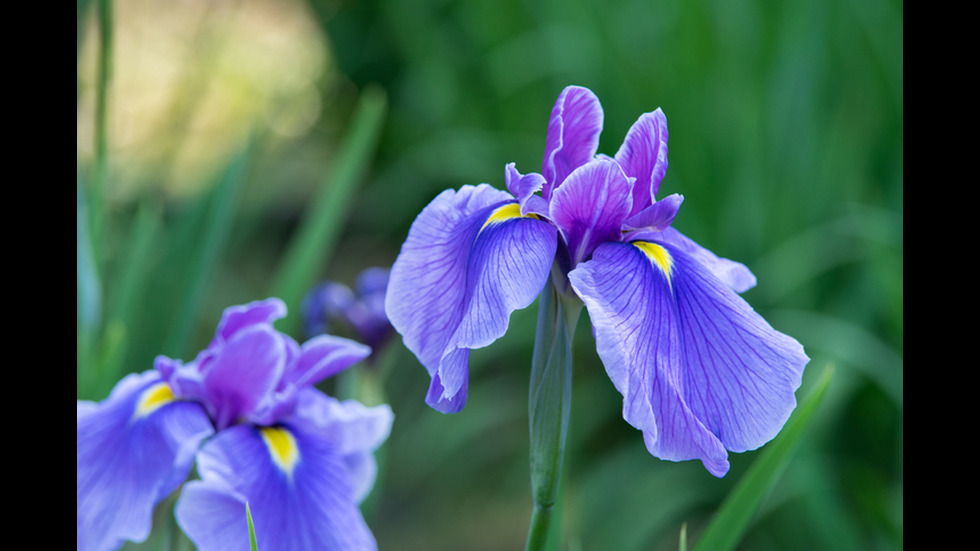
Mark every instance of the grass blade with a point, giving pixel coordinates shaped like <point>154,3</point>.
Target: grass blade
<point>322,223</point>
<point>251,530</point>
<point>218,220</point>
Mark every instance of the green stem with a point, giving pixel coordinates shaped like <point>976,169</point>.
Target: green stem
<point>549,406</point>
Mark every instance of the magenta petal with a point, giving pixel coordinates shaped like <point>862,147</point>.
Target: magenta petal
<point>643,156</point>
<point>573,135</point>
<point>591,206</point>
<point>699,370</point>
<point>463,269</point>
<point>132,450</point>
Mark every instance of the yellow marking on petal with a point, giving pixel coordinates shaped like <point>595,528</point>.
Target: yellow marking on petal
<point>658,256</point>
<point>505,212</point>
<point>153,398</point>
<point>282,447</point>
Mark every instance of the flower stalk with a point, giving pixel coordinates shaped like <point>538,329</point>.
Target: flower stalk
<point>549,405</point>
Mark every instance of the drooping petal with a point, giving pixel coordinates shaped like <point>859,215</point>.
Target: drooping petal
<point>470,259</point>
<point>643,156</point>
<point>298,490</point>
<point>657,216</point>
<point>132,450</point>
<point>573,135</point>
<point>699,370</point>
<point>244,373</point>
<point>590,207</point>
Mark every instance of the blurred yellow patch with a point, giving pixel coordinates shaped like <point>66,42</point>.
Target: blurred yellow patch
<point>191,79</point>
<point>282,447</point>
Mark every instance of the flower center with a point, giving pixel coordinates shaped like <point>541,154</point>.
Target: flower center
<point>282,447</point>
<point>153,398</point>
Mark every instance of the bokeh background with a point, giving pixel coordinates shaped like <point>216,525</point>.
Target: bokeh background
<point>254,147</point>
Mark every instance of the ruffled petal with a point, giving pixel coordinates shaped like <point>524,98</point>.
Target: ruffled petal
<point>354,430</point>
<point>236,318</point>
<point>573,135</point>
<point>469,261</point>
<point>298,489</point>
<point>590,207</point>
<point>132,450</point>
<point>699,370</point>
<point>643,156</point>
<point>524,187</point>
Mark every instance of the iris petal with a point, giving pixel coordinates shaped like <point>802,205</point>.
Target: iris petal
<point>312,506</point>
<point>734,274</point>
<point>244,372</point>
<point>643,156</point>
<point>458,278</point>
<point>324,356</point>
<point>573,135</point>
<point>699,370</point>
<point>590,207</point>
<point>129,458</point>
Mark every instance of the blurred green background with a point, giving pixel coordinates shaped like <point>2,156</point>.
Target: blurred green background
<point>229,150</point>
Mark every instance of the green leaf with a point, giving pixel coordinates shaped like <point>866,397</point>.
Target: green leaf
<point>251,529</point>
<point>732,519</point>
<point>207,255</point>
<point>322,223</point>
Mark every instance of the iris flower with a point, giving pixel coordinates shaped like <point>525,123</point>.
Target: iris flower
<point>246,410</point>
<point>701,373</point>
<point>362,309</point>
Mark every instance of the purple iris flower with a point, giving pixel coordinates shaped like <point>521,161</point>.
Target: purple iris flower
<point>362,310</point>
<point>245,408</point>
<point>701,373</point>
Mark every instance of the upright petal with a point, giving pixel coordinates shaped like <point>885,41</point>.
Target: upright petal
<point>573,135</point>
<point>297,487</point>
<point>699,370</point>
<point>244,372</point>
<point>643,156</point>
<point>236,318</point>
<point>470,259</point>
<point>132,450</point>
<point>591,206</point>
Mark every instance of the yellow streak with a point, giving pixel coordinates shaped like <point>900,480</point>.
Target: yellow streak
<point>153,398</point>
<point>505,212</point>
<point>282,447</point>
<point>658,256</point>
